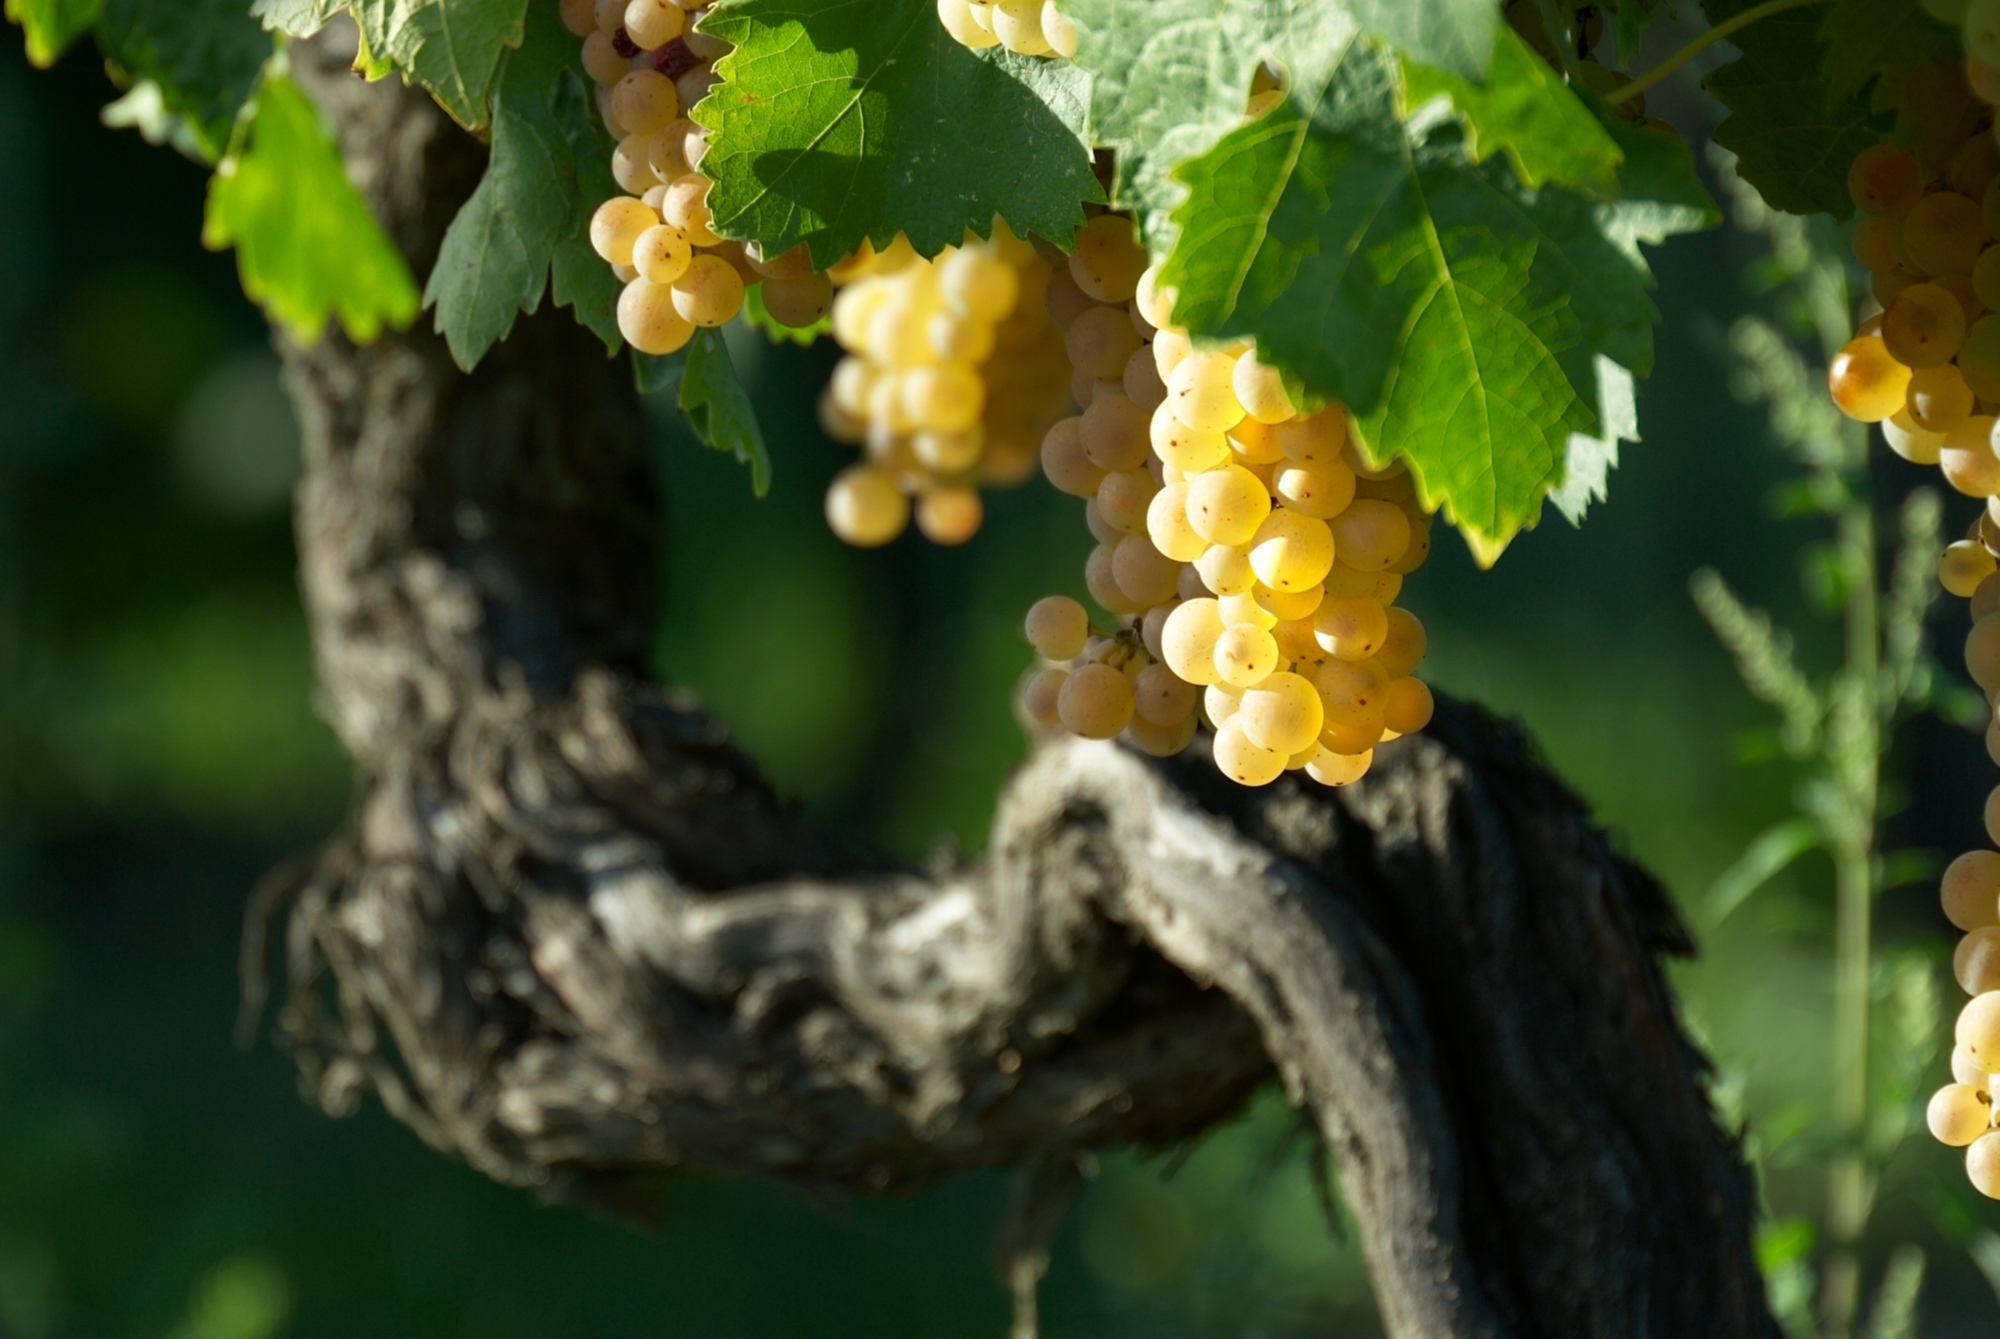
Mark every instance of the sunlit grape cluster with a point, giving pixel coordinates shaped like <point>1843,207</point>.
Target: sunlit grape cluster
<point>1248,554</point>
<point>1927,369</point>
<point>954,371</point>
<point>1026,27</point>
<point>650,65</point>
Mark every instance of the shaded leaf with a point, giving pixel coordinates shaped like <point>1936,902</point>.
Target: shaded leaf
<point>296,18</point>
<point>453,48</point>
<point>51,25</point>
<point>862,118</point>
<point>712,397</point>
<point>1763,860</point>
<point>305,242</point>
<point>1451,35</point>
<point>1459,315</point>
<point>205,55</point>
<point>1526,110</point>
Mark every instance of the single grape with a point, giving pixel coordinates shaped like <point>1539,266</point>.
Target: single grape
<point>649,319</point>
<point>1245,608</point>
<point>1924,326</point>
<point>662,253</point>
<point>1967,460</point>
<point>1919,446</point>
<point>1871,243</point>
<point>1282,713</point>
<point>1189,638</point>
<point>1963,566</point>
<point>1242,761</point>
<point>1985,596</point>
<point>1116,433</point>
<point>1189,450</point>
<point>1964,1069</point>
<point>1418,548</point>
<point>944,397</point>
<point>798,303</point>
<point>1060,34</point>
<point>1884,181</point>
<point>1943,232</point>
<point>1339,769</point>
<point>1167,526</point>
<point>1371,534</point>
<point>1095,702</point>
<point>609,15</point>
<point>1317,439</point>
<point>1322,490</point>
<point>1351,629</point>
<point>1970,890</point>
<point>687,208</point>
<point>1099,341</point>
<point>1142,380</point>
<point>1018,25</point>
<point>1125,501</point>
<point>1254,443</point>
<point>1288,606</point>
<point>1938,398</point>
<point>1353,691</point>
<point>1958,1114</point>
<point>1154,302</point>
<point>1163,697</point>
<point>1039,694</point>
<point>579,16</point>
<point>644,101</point>
<point>1202,393</point>
<point>1404,646</point>
<point>956,16</point>
<point>1057,627</point>
<point>1147,576</point>
<point>1154,625</point>
<point>1064,462</point>
<point>1982,1160</point>
<point>1226,570</point>
<point>601,60</point>
<point>1245,655</point>
<point>709,292</point>
<point>1866,381</point>
<point>865,508</point>
<point>631,165</point>
<point>1107,260</point>
<point>1975,963</point>
<point>1978,1030</point>
<point>1169,348</point>
<point>1101,581</point>
<point>694,85</point>
<point>949,514</point>
<point>1260,390</point>
<point>617,224</point>
<point>1290,552</point>
<point>1227,505</point>
<point>1158,741</point>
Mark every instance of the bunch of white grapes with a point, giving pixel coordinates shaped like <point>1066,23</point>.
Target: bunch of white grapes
<point>1026,27</point>
<point>650,65</point>
<point>1926,367</point>
<point>954,371</point>
<point>1250,555</point>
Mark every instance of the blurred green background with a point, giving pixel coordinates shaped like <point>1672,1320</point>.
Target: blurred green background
<point>158,752</point>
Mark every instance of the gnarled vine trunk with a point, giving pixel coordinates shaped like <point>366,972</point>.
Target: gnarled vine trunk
<point>572,937</point>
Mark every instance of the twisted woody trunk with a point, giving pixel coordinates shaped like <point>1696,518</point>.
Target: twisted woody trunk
<point>572,937</point>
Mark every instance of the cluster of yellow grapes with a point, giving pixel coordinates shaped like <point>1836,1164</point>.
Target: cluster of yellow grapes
<point>953,373</point>
<point>649,64</point>
<point>1026,27</point>
<point>1927,369</point>
<point>1245,548</point>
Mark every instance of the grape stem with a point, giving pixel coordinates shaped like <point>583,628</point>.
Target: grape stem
<point>1702,43</point>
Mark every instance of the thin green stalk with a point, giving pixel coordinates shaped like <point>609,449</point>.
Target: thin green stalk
<point>1702,43</point>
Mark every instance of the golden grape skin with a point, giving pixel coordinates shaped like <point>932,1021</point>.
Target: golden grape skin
<point>1095,702</point>
<point>1970,890</point>
<point>1975,963</point>
<point>1924,326</point>
<point>1866,381</point>
<point>1978,1030</point>
<point>1958,1114</point>
<point>1884,181</point>
<point>1967,460</point>
<point>1243,761</point>
<point>1982,1165</point>
<point>1943,232</point>
<point>1938,398</point>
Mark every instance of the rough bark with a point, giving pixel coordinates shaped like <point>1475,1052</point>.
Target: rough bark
<point>572,937</point>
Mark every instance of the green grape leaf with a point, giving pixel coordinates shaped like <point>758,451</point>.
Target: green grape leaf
<point>1793,139</point>
<point>1865,38</point>
<point>306,245</point>
<point>296,18</point>
<point>858,119</point>
<point>1526,110</point>
<point>1170,77</point>
<point>1628,24</point>
<point>1591,456</point>
<point>579,278</point>
<point>1451,35</point>
<point>1458,314</point>
<point>51,25</point>
<point>453,48</point>
<point>712,396</point>
<point>497,254</point>
<point>204,54</point>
